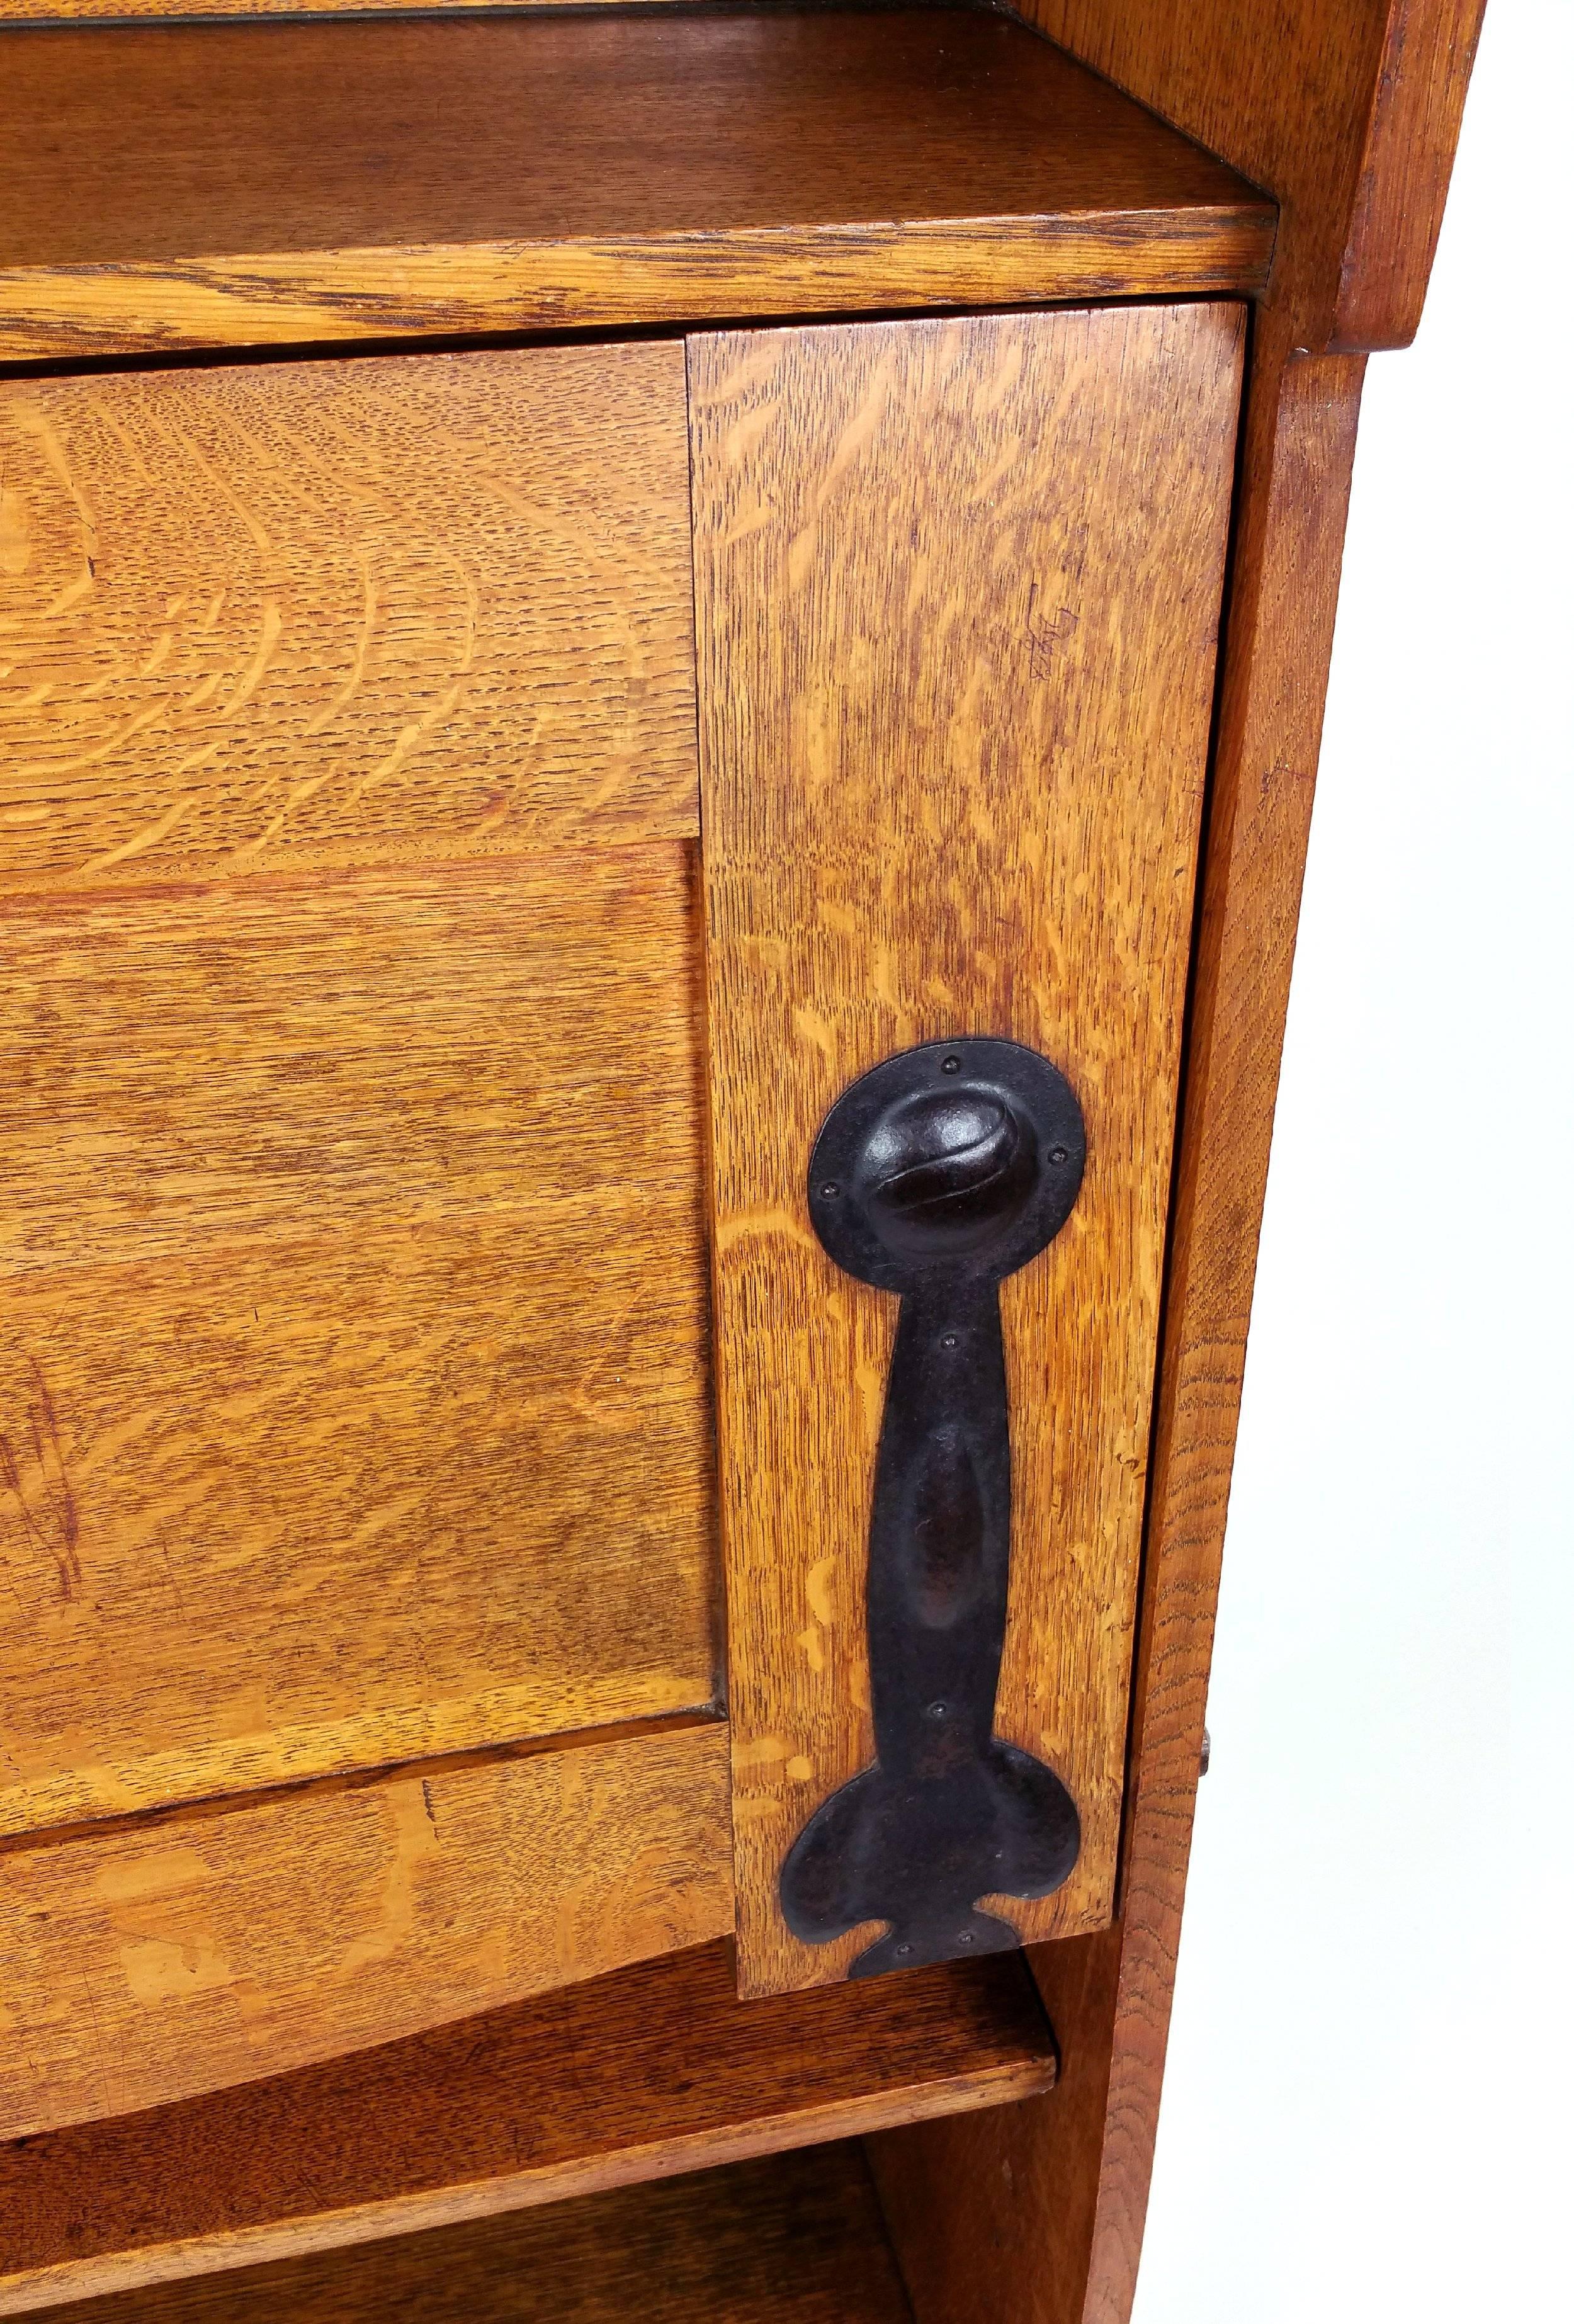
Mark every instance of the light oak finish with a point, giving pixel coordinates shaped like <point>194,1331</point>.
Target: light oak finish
<point>658,2069</point>
<point>957,587</point>
<point>346,181</point>
<point>176,1954</point>
<point>1053,2198</point>
<point>354,1401</point>
<point>795,2240</point>
<point>1348,111</point>
<point>341,612</point>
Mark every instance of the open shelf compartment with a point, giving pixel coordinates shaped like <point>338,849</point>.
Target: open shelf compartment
<point>655,2070</point>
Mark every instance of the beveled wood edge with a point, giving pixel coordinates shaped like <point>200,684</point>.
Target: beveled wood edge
<point>307,298</point>
<point>51,2287</point>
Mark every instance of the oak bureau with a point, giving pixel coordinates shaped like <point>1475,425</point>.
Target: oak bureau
<point>660,675</point>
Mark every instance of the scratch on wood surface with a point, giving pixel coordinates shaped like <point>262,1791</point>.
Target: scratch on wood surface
<point>55,1531</point>
<point>99,2061</point>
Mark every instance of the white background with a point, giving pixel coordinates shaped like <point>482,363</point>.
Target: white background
<point>1366,2116</point>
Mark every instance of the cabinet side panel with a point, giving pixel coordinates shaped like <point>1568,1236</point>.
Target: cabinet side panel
<point>957,590</point>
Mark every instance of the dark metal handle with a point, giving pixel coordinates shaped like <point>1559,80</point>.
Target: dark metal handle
<point>935,1177</point>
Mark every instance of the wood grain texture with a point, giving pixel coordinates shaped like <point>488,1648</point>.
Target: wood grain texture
<point>957,589</point>
<point>1348,111</point>
<point>355,1398</point>
<point>658,2069</point>
<point>588,171</point>
<point>797,2239</point>
<point>1055,2197</point>
<point>343,613</point>
<point>151,1961</point>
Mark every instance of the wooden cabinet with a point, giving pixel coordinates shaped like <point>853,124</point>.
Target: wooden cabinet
<point>359,1404</point>
<point>470,812</point>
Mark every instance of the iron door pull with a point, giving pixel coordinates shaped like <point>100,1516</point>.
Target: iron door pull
<point>936,1175</point>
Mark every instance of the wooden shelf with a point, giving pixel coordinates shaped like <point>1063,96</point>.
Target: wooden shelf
<point>795,2239</point>
<point>654,2070</point>
<point>179,185</point>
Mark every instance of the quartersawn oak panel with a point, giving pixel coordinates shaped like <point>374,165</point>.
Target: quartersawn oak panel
<point>353,1399</point>
<point>655,2070</point>
<point>795,2239</point>
<point>157,1959</point>
<point>958,587</point>
<point>346,181</point>
<point>342,613</point>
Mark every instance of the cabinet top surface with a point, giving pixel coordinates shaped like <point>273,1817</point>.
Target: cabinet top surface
<point>286,182</point>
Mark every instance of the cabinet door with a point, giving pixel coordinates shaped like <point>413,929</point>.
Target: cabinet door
<point>368,984</point>
<point>958,585</point>
<point>355,1451</point>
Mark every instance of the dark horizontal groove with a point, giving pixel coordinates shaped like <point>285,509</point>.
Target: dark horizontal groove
<point>474,343</point>
<point>357,1779</point>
